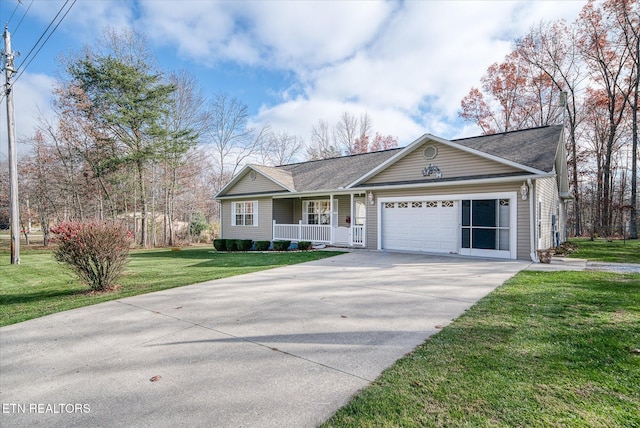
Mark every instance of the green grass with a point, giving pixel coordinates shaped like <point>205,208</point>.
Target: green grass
<point>40,286</point>
<point>617,251</point>
<point>545,349</point>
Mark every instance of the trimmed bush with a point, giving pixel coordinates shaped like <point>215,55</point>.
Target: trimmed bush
<point>244,244</point>
<point>220,244</point>
<point>262,245</point>
<point>304,245</point>
<point>232,245</point>
<point>281,245</point>
<point>97,252</point>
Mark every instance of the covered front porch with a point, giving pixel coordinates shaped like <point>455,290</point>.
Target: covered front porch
<point>326,219</point>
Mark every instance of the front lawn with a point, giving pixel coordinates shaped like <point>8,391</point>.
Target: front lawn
<point>40,286</point>
<point>617,251</point>
<point>545,349</point>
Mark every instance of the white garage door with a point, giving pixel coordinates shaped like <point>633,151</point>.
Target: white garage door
<point>420,225</point>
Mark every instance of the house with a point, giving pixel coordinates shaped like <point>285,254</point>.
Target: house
<point>499,195</point>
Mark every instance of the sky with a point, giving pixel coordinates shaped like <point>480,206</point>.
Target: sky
<point>407,64</point>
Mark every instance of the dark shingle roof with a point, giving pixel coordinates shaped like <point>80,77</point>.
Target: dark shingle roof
<point>334,173</point>
<point>535,147</point>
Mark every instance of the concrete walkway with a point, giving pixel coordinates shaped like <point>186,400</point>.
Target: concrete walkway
<point>566,263</point>
<point>280,348</point>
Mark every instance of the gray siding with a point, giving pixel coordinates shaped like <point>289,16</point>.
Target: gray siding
<point>523,242</point>
<point>283,211</point>
<point>547,195</point>
<point>260,185</point>
<point>262,232</point>
<point>452,163</point>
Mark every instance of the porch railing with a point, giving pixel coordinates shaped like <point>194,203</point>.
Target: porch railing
<point>357,235</point>
<point>315,233</point>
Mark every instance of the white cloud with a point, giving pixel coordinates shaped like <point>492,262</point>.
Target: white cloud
<point>407,64</point>
<point>412,75</point>
<point>32,100</point>
<point>274,34</point>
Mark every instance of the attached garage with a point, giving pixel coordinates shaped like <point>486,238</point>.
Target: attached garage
<point>500,196</point>
<point>476,225</point>
<point>420,225</point>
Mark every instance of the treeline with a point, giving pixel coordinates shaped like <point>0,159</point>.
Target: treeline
<point>587,74</point>
<point>130,143</point>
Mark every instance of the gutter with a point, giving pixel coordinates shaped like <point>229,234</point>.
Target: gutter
<point>532,225</point>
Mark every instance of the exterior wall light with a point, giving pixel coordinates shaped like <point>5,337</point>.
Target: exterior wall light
<point>524,191</point>
<point>370,198</point>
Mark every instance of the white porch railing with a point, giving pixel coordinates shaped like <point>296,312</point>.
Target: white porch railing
<point>316,233</point>
<point>357,235</point>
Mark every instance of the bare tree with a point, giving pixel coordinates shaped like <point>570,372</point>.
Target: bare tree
<point>346,131</point>
<point>552,49</point>
<point>321,145</point>
<point>186,120</point>
<point>232,141</point>
<point>603,48</point>
<point>280,148</point>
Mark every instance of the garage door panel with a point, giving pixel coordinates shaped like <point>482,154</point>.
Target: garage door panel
<point>420,227</point>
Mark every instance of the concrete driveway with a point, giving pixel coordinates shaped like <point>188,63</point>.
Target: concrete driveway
<point>280,348</point>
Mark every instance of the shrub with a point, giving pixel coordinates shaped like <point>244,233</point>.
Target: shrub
<point>281,245</point>
<point>220,244</point>
<point>232,245</point>
<point>198,225</point>
<point>96,251</point>
<point>244,244</point>
<point>304,245</point>
<point>262,245</point>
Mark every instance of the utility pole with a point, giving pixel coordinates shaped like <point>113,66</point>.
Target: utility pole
<point>13,157</point>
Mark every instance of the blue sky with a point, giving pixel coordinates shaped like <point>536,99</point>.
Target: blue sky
<point>405,63</point>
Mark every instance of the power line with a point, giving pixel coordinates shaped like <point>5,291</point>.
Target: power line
<point>27,59</point>
<point>14,11</point>
<point>21,19</point>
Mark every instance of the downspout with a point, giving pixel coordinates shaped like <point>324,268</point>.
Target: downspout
<point>532,224</point>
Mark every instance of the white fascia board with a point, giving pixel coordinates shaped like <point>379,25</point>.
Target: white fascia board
<point>273,180</point>
<point>402,153</point>
<point>408,149</point>
<point>489,156</point>
<point>459,182</point>
<point>241,174</point>
<point>233,181</point>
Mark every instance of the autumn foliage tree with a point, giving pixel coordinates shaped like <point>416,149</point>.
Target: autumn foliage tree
<point>586,73</point>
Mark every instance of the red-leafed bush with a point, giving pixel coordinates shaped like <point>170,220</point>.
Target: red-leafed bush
<point>96,251</point>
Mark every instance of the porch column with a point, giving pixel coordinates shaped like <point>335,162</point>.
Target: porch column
<point>353,218</point>
<point>331,217</point>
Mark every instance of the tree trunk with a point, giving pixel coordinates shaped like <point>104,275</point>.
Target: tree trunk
<point>143,204</point>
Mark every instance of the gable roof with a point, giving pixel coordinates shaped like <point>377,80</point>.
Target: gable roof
<point>534,147</point>
<point>532,150</point>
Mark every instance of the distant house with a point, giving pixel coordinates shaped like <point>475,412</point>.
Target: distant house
<point>497,195</point>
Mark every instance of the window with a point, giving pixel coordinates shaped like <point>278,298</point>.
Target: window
<point>244,213</point>
<point>485,224</point>
<point>317,212</point>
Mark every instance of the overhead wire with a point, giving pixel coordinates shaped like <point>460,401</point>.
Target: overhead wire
<point>14,11</point>
<point>15,30</point>
<point>27,60</point>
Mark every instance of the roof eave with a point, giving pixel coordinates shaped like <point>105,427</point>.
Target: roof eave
<point>240,174</point>
<point>404,152</point>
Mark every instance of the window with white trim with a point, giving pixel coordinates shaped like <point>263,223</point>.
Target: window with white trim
<point>319,212</point>
<point>244,213</point>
